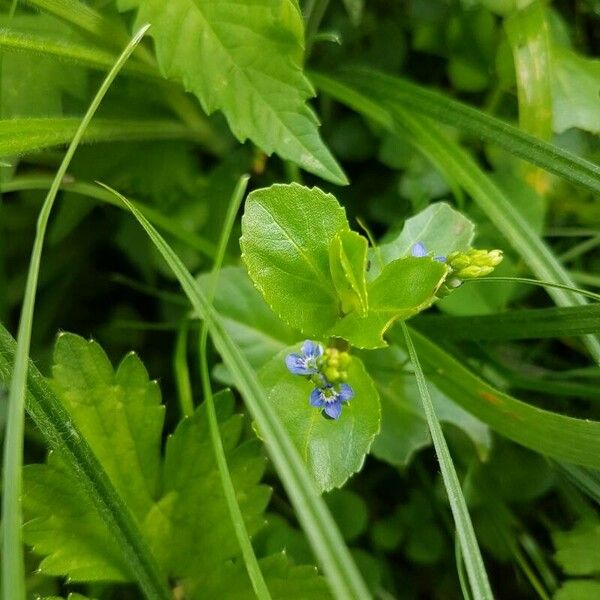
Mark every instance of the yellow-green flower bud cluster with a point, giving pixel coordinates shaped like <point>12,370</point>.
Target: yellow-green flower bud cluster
<point>334,364</point>
<point>474,263</point>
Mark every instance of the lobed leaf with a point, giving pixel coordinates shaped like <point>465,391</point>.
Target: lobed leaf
<point>246,60</point>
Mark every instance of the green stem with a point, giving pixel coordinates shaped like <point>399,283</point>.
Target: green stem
<point>13,580</point>
<point>182,373</point>
<point>539,283</point>
<point>258,583</point>
<point>314,11</point>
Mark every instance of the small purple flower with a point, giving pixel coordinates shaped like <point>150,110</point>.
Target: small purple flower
<point>305,363</point>
<point>331,399</point>
<point>419,250</point>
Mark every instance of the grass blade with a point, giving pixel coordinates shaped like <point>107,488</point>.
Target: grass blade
<point>475,122</point>
<point>256,577</point>
<point>19,136</point>
<point>563,438</point>
<point>454,160</point>
<point>202,245</point>
<point>480,586</point>
<point>515,324</point>
<point>13,583</point>
<point>344,578</point>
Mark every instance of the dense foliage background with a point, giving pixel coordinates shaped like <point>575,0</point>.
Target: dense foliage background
<point>219,89</point>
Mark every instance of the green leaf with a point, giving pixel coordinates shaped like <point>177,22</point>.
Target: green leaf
<point>575,89</point>
<point>286,234</point>
<point>578,590</point>
<point>284,580</point>
<point>118,412</point>
<point>246,60</point>
<point>404,428</point>
<point>405,287</point>
<point>578,550</point>
<point>441,228</point>
<point>19,136</point>
<point>331,449</point>
<point>348,266</point>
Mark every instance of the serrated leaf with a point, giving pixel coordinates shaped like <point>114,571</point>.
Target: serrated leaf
<point>404,429</point>
<point>348,266</point>
<point>332,449</point>
<point>441,229</point>
<point>119,413</point>
<point>578,590</point>
<point>179,503</point>
<point>283,579</point>
<point>405,287</point>
<point>246,60</point>
<point>578,550</point>
<point>286,233</point>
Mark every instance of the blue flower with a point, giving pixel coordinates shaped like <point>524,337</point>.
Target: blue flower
<point>307,362</point>
<point>331,399</point>
<point>419,251</point>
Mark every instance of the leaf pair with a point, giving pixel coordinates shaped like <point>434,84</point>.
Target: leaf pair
<point>313,270</point>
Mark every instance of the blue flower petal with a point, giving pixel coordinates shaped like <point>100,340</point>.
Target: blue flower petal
<point>333,409</point>
<point>316,398</point>
<point>346,393</point>
<point>297,365</point>
<point>311,349</point>
<point>440,258</point>
<point>419,250</point>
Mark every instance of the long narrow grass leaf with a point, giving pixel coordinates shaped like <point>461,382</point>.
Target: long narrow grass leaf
<point>19,136</point>
<point>256,577</point>
<point>195,241</point>
<point>564,438</point>
<point>515,324</point>
<point>476,122</point>
<point>13,583</point>
<point>344,578</point>
<point>480,586</point>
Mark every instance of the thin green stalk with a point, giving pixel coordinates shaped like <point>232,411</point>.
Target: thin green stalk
<point>460,569</point>
<point>13,575</point>
<point>542,284</point>
<point>480,586</point>
<point>343,577</point>
<point>258,583</point>
<point>180,367</point>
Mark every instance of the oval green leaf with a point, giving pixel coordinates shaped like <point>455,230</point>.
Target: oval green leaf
<point>286,233</point>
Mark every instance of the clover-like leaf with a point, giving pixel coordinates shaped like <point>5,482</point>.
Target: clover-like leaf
<point>332,449</point>
<point>286,234</point>
<point>348,266</point>
<point>405,287</point>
